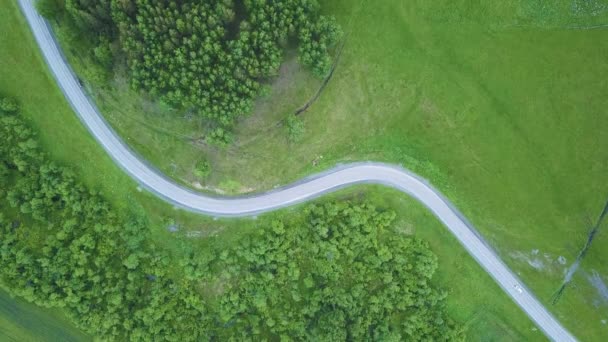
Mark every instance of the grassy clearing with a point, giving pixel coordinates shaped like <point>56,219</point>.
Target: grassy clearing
<point>21,321</point>
<point>506,99</point>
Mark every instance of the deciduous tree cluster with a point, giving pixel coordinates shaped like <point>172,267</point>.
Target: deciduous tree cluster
<point>342,275</point>
<point>340,272</point>
<point>61,245</point>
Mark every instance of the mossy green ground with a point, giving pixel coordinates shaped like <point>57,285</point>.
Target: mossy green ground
<point>501,104</point>
<point>474,298</point>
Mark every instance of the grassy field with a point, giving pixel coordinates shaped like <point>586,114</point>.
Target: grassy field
<point>23,322</point>
<point>23,75</point>
<point>501,105</point>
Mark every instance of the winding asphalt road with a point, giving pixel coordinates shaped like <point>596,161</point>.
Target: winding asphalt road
<point>306,189</point>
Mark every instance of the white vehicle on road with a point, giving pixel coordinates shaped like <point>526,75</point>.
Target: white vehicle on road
<point>518,288</point>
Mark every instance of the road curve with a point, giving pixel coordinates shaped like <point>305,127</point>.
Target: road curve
<point>312,187</point>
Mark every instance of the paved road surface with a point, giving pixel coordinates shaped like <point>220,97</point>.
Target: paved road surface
<point>306,189</point>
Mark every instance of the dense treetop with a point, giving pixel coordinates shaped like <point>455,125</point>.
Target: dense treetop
<point>61,245</point>
<point>207,56</point>
<point>343,275</point>
<point>340,272</point>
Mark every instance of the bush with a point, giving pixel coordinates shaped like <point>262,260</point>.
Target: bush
<point>50,9</point>
<point>202,169</point>
<point>295,128</point>
<point>96,75</point>
<point>8,105</point>
<point>103,53</point>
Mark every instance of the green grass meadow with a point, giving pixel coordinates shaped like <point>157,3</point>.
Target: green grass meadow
<point>24,322</point>
<point>501,104</point>
<point>488,314</point>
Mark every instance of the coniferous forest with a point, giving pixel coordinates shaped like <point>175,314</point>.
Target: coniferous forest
<point>208,57</point>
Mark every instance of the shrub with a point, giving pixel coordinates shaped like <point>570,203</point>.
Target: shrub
<point>202,169</point>
<point>50,9</point>
<point>295,128</point>
<point>8,105</point>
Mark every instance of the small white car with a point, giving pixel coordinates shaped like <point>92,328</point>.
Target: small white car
<point>518,288</point>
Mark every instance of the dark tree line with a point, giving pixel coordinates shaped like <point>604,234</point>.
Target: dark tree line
<point>342,273</point>
<point>209,56</point>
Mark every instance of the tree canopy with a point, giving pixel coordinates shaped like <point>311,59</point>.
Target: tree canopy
<point>61,245</point>
<point>342,274</point>
<point>207,56</point>
<point>338,272</point>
